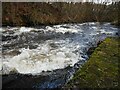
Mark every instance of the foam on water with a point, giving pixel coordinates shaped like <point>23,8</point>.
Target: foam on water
<point>44,58</point>
<point>62,30</point>
<point>24,29</point>
<point>56,53</point>
<point>0,29</point>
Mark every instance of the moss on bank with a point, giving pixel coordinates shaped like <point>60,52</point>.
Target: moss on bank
<point>101,70</point>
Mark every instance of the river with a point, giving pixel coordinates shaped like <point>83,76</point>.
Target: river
<point>48,56</point>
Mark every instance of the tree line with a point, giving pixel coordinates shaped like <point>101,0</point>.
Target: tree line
<point>41,13</point>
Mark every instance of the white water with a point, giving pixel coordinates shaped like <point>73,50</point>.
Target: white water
<point>66,52</point>
<point>41,59</point>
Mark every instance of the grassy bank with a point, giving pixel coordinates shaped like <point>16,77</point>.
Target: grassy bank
<point>41,13</point>
<point>101,70</point>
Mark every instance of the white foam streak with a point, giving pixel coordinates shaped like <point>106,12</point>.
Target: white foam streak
<point>24,29</point>
<point>60,29</point>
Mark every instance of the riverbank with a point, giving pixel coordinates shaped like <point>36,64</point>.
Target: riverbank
<point>41,13</point>
<point>101,70</point>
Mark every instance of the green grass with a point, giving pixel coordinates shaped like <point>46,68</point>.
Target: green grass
<point>101,70</point>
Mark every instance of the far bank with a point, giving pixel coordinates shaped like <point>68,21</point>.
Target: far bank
<point>41,13</point>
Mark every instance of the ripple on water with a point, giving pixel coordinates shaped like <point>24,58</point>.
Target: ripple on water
<point>56,46</point>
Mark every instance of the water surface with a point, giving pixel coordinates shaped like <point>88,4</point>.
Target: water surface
<point>33,51</point>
